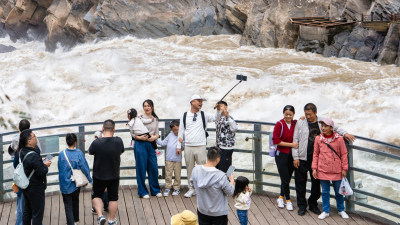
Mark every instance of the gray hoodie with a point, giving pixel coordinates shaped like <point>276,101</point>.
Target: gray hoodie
<point>212,189</point>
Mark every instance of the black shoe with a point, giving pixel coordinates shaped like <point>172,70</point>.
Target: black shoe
<point>315,210</point>
<point>301,212</point>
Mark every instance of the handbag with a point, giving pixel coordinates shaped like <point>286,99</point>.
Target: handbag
<point>77,176</point>
<point>272,147</point>
<point>345,188</point>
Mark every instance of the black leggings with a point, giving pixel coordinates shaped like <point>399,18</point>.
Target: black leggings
<point>284,162</point>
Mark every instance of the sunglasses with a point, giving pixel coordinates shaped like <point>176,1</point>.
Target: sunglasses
<point>194,117</point>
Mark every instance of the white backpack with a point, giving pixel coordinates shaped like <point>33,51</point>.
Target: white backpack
<point>19,177</point>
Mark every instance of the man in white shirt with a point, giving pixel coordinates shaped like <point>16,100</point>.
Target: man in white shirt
<point>193,131</point>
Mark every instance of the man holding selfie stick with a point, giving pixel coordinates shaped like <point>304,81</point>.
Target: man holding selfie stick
<point>212,189</point>
<point>193,131</point>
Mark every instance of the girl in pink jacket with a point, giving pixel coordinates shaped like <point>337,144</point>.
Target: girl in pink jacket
<point>330,165</point>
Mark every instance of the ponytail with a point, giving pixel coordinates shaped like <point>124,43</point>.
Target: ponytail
<point>23,138</point>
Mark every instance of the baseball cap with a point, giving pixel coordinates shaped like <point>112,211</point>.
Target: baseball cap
<point>328,122</point>
<point>194,97</point>
<point>98,134</point>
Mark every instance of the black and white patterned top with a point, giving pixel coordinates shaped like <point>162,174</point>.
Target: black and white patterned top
<point>226,130</point>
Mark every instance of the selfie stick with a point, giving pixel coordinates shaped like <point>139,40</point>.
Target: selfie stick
<point>238,77</point>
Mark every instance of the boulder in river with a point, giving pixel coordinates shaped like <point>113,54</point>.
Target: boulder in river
<point>6,48</point>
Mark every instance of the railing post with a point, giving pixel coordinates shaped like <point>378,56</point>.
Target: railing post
<point>258,158</point>
<point>81,138</point>
<point>372,16</point>
<point>1,170</point>
<point>167,129</point>
<point>362,17</point>
<point>350,177</point>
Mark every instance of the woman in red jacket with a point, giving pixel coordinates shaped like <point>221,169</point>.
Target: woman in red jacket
<point>283,137</point>
<point>330,165</point>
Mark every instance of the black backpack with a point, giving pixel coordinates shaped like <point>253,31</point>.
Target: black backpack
<point>202,117</point>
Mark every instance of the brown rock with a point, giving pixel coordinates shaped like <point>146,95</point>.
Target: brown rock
<point>388,54</point>
<point>28,8</point>
<point>5,8</point>
<point>17,21</point>
<point>38,16</point>
<point>237,13</point>
<point>44,3</point>
<point>14,27</point>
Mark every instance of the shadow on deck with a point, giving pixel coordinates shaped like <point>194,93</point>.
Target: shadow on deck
<point>157,211</point>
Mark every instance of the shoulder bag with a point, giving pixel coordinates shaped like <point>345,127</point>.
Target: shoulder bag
<point>77,176</point>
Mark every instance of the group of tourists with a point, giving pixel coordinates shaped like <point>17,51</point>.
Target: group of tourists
<point>312,145</point>
<point>301,148</point>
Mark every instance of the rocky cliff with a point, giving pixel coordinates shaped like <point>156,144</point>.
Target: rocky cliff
<point>263,23</point>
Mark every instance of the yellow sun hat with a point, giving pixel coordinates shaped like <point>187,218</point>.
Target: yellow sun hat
<point>186,217</point>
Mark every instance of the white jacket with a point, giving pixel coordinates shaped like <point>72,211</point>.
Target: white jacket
<point>243,201</point>
<point>301,133</point>
<point>136,127</point>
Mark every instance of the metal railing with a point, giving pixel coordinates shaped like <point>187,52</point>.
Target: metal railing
<point>259,133</point>
<point>379,17</point>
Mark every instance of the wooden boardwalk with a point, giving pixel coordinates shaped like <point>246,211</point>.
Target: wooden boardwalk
<point>157,211</point>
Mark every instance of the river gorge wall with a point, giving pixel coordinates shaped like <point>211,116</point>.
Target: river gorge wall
<point>263,23</point>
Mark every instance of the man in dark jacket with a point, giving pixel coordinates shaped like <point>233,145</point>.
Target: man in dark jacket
<point>36,169</point>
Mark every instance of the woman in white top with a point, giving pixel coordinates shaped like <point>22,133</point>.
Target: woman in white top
<point>150,121</point>
<point>146,160</point>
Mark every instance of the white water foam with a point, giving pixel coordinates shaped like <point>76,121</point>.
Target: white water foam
<point>97,81</point>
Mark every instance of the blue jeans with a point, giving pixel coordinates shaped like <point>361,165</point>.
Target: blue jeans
<point>325,185</point>
<point>146,160</point>
<point>20,208</point>
<point>242,215</point>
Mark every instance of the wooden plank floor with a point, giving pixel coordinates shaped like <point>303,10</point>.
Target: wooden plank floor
<point>158,211</point>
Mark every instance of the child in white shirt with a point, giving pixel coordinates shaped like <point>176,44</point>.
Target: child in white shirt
<point>242,198</point>
<point>137,128</point>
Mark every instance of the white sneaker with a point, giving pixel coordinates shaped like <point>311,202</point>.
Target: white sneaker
<point>115,222</point>
<point>281,203</point>
<point>159,195</point>
<point>176,192</point>
<point>323,215</point>
<point>166,192</point>
<point>289,206</point>
<point>146,196</point>
<point>344,215</point>
<point>190,193</point>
